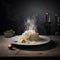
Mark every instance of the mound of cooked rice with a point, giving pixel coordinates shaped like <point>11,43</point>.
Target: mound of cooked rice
<point>28,36</point>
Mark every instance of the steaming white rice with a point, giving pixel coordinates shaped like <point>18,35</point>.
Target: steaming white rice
<point>29,36</point>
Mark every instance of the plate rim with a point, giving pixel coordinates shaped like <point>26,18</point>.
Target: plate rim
<point>30,44</point>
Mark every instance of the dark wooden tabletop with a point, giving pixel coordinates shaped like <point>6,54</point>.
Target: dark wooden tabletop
<point>50,49</point>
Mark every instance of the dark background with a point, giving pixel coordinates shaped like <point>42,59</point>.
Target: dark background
<point>13,13</point>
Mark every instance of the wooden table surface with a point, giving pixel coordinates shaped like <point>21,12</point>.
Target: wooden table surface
<point>50,49</point>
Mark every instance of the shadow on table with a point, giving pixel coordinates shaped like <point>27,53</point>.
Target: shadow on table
<point>47,46</point>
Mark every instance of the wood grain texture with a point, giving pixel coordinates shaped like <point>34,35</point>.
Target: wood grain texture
<point>50,49</point>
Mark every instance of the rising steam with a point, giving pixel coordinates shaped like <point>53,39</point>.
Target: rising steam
<point>30,24</point>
